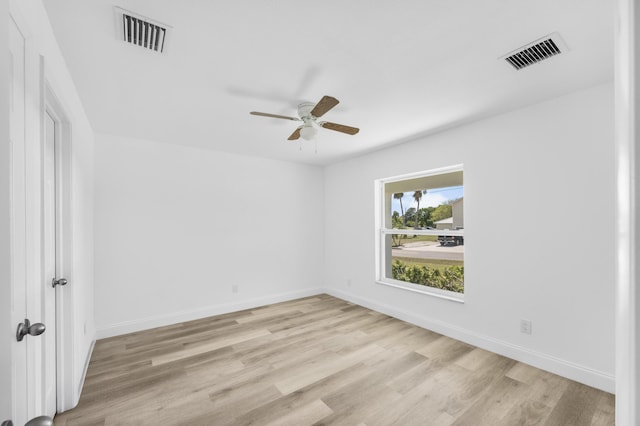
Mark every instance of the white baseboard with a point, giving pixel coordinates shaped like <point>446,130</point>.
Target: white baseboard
<point>73,387</point>
<point>84,370</point>
<point>177,317</point>
<point>579,373</point>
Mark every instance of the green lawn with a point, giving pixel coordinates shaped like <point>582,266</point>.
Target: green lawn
<point>417,238</point>
<point>430,263</point>
<point>414,239</point>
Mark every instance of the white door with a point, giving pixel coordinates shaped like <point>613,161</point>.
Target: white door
<point>49,246</point>
<point>32,235</point>
<point>18,221</point>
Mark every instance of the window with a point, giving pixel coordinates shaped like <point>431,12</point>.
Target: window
<point>420,232</point>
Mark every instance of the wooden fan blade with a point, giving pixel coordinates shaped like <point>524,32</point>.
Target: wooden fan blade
<point>325,104</point>
<point>339,128</point>
<point>264,114</point>
<point>296,134</point>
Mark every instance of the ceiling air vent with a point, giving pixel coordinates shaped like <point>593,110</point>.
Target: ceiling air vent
<point>536,51</point>
<point>141,31</point>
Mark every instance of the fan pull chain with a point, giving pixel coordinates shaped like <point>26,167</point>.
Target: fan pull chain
<point>300,145</point>
<point>316,142</point>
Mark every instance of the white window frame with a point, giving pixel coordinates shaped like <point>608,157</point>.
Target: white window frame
<point>383,235</point>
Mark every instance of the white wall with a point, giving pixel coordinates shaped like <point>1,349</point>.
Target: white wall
<point>547,171</point>
<point>177,227</point>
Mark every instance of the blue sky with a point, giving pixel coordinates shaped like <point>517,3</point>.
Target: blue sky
<point>433,198</point>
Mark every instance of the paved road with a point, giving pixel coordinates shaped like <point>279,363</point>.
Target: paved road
<point>429,250</point>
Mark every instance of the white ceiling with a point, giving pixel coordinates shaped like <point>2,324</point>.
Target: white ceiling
<point>400,68</point>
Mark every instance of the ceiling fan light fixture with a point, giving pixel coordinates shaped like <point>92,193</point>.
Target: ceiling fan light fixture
<point>308,113</point>
<point>308,132</point>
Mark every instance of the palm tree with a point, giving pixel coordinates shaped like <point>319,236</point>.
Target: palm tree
<point>418,196</point>
<point>398,196</point>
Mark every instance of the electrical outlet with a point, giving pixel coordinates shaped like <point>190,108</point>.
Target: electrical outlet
<point>234,288</point>
<point>525,326</point>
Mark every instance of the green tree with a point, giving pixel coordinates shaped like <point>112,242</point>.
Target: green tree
<point>398,196</point>
<point>424,216</point>
<point>396,239</point>
<point>410,216</point>
<point>443,211</point>
<point>417,195</point>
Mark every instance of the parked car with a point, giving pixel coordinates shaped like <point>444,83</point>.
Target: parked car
<point>451,240</point>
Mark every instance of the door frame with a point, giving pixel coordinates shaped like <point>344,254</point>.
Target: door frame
<point>65,326</point>
<point>20,219</point>
<point>6,356</point>
<point>627,142</point>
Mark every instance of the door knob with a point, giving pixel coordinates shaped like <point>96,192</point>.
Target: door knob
<point>26,327</point>
<point>37,421</point>
<point>59,281</point>
<point>40,421</point>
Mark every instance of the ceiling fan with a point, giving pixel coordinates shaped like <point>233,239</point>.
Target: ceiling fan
<point>308,113</point>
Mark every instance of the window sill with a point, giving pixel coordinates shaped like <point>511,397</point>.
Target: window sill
<point>434,292</point>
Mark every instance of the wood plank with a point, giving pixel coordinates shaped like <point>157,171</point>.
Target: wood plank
<point>208,346</point>
<point>305,415</point>
<point>577,406</point>
<point>280,407</point>
<point>322,367</point>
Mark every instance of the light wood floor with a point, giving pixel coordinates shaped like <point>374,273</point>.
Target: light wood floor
<point>322,361</point>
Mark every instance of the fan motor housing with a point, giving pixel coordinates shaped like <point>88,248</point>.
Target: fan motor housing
<point>304,110</point>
